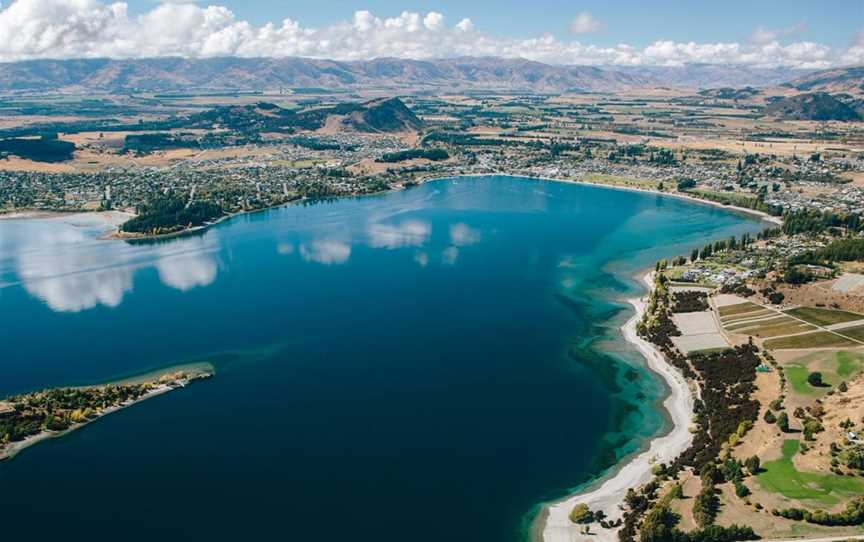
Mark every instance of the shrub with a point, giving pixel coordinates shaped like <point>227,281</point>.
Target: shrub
<point>783,422</point>
<point>581,514</point>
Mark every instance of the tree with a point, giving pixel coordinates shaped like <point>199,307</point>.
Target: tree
<point>685,184</point>
<point>769,417</point>
<point>775,298</point>
<point>710,474</point>
<point>581,514</point>
<point>855,458</point>
<point>732,470</point>
<point>659,524</point>
<point>815,379</point>
<point>753,464</point>
<point>811,427</point>
<point>843,388</point>
<point>706,506</point>
<point>794,275</point>
<point>783,422</point>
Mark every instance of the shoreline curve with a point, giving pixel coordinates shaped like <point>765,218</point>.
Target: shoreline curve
<point>556,524</point>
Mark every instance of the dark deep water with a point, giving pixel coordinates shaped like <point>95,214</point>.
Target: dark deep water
<point>419,365</point>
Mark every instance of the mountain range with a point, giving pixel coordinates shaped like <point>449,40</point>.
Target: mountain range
<point>443,75</point>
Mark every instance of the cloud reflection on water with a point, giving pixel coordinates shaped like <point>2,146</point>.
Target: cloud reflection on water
<point>188,263</point>
<point>63,263</point>
<point>326,251</point>
<point>463,235</point>
<point>62,267</point>
<point>411,233</point>
<point>449,256</point>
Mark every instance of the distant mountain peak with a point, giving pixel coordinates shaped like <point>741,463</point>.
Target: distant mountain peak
<point>450,74</point>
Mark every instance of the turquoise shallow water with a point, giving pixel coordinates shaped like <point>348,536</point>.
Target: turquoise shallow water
<point>440,359</point>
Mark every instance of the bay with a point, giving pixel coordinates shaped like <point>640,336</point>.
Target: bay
<point>429,364</point>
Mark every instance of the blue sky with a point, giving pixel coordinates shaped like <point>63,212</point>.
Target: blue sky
<point>832,22</point>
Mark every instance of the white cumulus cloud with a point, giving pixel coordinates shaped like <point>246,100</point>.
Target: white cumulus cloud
<point>584,23</point>
<point>764,35</point>
<point>31,29</point>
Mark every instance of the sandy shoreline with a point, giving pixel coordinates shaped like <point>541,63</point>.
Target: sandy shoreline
<point>110,218</point>
<point>24,215</point>
<point>637,471</point>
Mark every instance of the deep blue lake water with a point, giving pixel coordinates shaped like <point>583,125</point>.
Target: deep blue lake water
<point>440,359</point>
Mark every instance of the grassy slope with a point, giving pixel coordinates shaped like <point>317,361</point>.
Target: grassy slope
<point>849,363</point>
<point>834,366</point>
<point>782,477</point>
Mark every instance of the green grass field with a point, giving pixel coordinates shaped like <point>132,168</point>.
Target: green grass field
<point>798,378</point>
<point>744,317</point>
<point>821,339</point>
<point>782,477</point>
<point>849,363</point>
<point>773,320</point>
<point>779,330</point>
<point>771,328</point>
<point>739,308</point>
<point>856,332</point>
<point>823,317</point>
<point>834,366</point>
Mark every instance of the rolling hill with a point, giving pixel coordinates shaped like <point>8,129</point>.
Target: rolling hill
<point>812,106</point>
<point>840,80</point>
<point>382,115</point>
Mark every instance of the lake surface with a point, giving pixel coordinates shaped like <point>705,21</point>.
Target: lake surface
<point>422,365</point>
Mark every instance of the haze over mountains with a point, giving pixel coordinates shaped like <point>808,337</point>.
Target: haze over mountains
<point>450,75</point>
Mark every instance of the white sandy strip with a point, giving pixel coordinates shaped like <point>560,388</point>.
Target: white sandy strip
<point>610,494</point>
<point>22,215</point>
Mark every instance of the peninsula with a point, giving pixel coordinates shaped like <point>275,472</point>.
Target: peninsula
<point>30,418</point>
